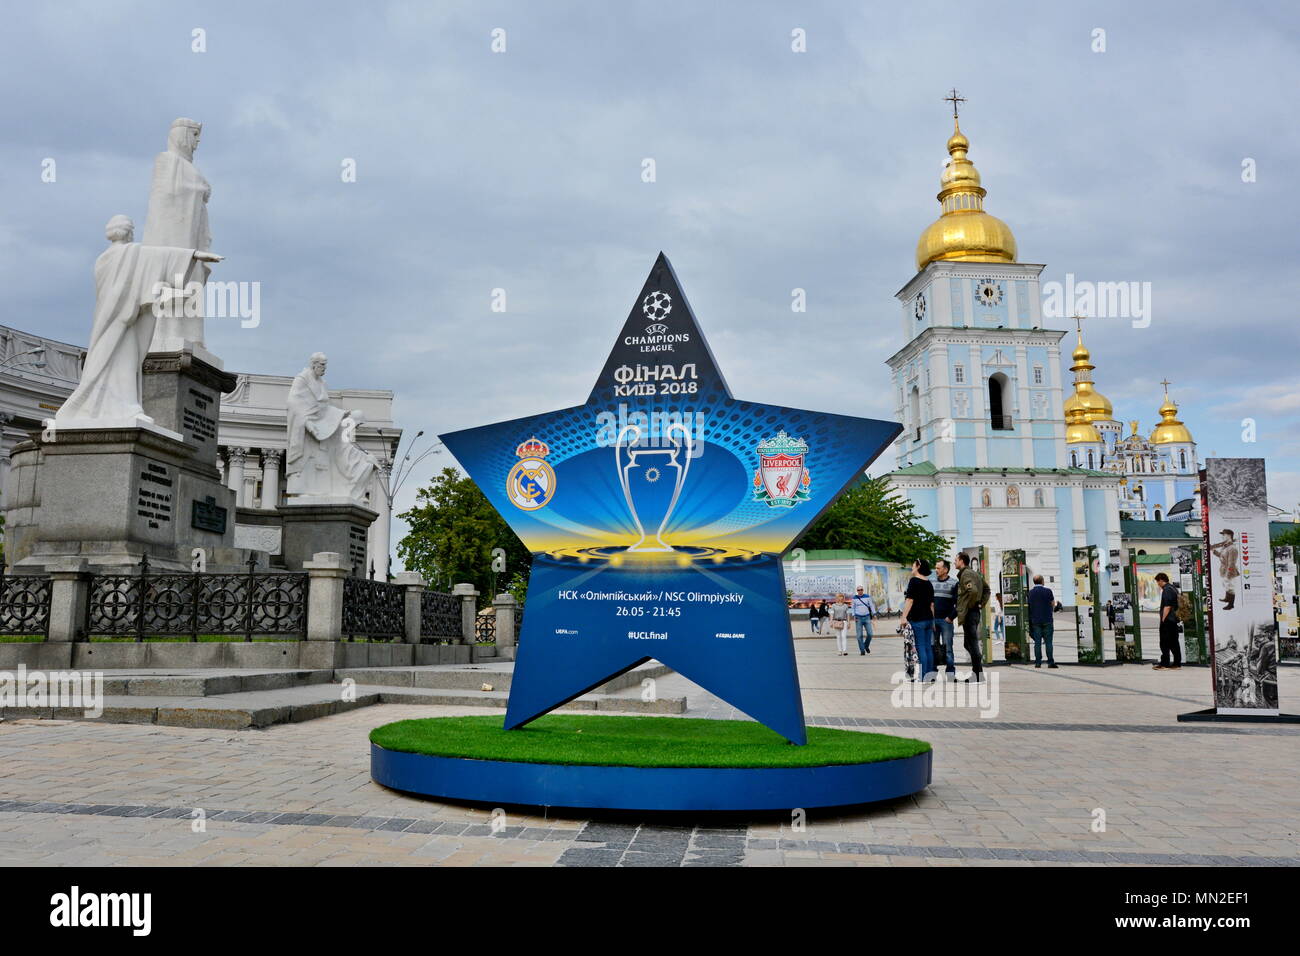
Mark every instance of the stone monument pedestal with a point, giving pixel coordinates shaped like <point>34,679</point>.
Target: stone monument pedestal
<point>182,393</point>
<point>316,525</point>
<point>111,495</point>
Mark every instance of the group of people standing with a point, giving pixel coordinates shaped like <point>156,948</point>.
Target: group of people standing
<point>933,608</point>
<point>839,615</point>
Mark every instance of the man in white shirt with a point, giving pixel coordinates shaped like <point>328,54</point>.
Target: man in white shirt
<point>863,611</point>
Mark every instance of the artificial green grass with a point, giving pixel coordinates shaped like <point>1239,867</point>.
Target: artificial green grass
<point>638,742</point>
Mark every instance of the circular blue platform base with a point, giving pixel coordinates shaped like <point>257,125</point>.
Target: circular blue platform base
<point>648,788</point>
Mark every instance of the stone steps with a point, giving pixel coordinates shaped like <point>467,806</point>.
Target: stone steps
<point>605,703</point>
<point>207,683</point>
<point>239,711</point>
<point>472,677</point>
<point>246,700</point>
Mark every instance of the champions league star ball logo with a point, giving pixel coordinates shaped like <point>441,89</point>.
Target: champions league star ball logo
<point>656,306</point>
<point>781,479</point>
<point>531,482</point>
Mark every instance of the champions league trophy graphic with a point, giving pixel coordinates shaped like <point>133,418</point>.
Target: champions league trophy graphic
<point>652,479</point>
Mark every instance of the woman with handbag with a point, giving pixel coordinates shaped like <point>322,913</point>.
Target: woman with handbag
<point>840,624</point>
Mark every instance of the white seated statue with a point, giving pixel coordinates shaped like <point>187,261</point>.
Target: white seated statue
<point>133,284</point>
<point>324,463</point>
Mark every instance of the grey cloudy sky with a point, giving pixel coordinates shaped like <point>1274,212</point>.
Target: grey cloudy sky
<point>775,170</point>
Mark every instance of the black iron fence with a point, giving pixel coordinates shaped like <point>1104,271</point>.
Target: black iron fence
<point>194,603</point>
<point>485,626</point>
<point>373,609</point>
<point>440,617</point>
<point>24,603</point>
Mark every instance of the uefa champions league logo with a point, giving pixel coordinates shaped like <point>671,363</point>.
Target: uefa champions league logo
<point>656,306</point>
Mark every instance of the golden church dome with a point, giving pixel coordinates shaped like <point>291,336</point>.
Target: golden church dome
<point>964,232</point>
<point>1170,430</point>
<point>1078,430</point>
<point>1096,406</point>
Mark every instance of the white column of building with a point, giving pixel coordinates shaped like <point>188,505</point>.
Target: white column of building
<point>941,399</point>
<point>1056,403</point>
<point>235,471</point>
<point>379,540</point>
<point>1024,414</point>
<point>978,411</point>
<point>248,494</point>
<point>7,443</point>
<point>271,478</point>
<point>1080,518</point>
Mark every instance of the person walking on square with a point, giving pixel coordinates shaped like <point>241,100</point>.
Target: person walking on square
<point>814,619</point>
<point>823,612</point>
<point>1171,655</point>
<point>945,612</point>
<point>1042,603</point>
<point>972,595</point>
<point>840,612</point>
<point>863,611</point>
<point>918,610</point>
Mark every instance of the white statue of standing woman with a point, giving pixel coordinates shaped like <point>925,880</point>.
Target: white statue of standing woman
<point>133,282</point>
<point>324,461</point>
<point>178,217</point>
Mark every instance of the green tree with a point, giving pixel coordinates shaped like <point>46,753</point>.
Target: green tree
<point>454,530</point>
<point>869,517</point>
<point>1290,536</point>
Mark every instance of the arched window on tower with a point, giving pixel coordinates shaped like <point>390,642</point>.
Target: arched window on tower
<point>1157,510</point>
<point>1091,463</point>
<point>1038,498</point>
<point>1182,461</point>
<point>916,413</point>
<point>1074,459</point>
<point>999,391</point>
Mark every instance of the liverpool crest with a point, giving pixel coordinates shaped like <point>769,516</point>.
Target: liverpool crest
<point>782,480</point>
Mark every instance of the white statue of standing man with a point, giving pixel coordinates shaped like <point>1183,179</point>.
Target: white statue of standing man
<point>323,461</point>
<point>178,217</point>
<point>133,282</point>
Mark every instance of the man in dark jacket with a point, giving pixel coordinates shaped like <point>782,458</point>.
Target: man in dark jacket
<point>972,595</point>
<point>1171,654</point>
<point>945,612</point>
<point>1042,602</point>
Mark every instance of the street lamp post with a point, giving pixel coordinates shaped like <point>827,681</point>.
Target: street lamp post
<point>40,363</point>
<point>396,471</point>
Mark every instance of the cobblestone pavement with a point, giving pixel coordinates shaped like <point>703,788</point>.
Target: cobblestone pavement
<point>1026,786</point>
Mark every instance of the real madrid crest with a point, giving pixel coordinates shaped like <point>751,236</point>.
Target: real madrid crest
<point>531,482</point>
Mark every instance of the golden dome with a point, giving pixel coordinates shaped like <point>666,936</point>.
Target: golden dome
<point>1078,430</point>
<point>964,232</point>
<point>1096,406</point>
<point>1170,430</point>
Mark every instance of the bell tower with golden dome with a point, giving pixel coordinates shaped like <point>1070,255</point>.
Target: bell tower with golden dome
<point>978,386</point>
<point>978,383</point>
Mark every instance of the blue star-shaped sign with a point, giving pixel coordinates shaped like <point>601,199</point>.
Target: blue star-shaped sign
<point>657,514</point>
